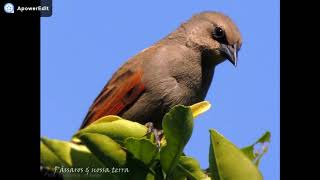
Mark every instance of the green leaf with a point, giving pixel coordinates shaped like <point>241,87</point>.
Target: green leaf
<point>200,108</point>
<point>138,170</point>
<point>49,158</point>
<point>110,154</point>
<point>177,127</point>
<point>228,162</point>
<point>265,138</point>
<point>248,151</point>
<point>189,167</point>
<point>255,151</point>
<point>59,155</point>
<point>56,152</point>
<point>142,149</point>
<point>107,151</point>
<point>118,130</point>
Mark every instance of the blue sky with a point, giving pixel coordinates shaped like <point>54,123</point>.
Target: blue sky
<point>84,42</point>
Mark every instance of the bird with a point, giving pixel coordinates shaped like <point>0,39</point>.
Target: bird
<point>177,69</point>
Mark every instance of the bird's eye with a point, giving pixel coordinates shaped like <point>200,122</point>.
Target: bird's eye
<point>218,33</point>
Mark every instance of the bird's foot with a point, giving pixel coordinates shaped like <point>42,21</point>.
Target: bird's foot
<point>157,133</point>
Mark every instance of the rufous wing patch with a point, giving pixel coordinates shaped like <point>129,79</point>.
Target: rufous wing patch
<point>118,94</point>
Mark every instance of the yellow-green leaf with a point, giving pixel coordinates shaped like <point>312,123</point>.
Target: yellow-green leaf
<point>189,167</point>
<point>117,130</point>
<point>106,150</point>
<point>200,108</point>
<point>228,162</point>
<point>60,156</point>
<point>106,119</point>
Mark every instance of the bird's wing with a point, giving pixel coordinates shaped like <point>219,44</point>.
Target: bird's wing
<point>119,93</point>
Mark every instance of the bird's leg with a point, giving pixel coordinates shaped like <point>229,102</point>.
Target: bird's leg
<point>149,125</point>
<point>157,133</point>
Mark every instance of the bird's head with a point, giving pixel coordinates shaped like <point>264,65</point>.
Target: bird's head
<point>215,33</point>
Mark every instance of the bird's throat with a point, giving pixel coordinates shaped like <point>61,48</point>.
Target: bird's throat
<point>208,63</point>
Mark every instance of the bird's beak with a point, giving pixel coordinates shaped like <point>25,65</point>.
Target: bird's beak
<point>230,52</point>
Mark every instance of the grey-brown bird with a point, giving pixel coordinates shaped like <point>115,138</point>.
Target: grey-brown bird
<point>178,69</point>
